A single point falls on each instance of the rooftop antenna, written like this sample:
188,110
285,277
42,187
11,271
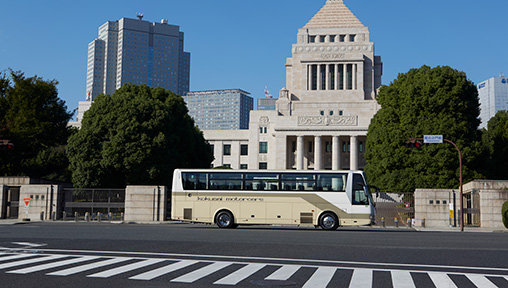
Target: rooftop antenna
267,93
140,16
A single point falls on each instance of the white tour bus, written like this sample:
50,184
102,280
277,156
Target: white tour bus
229,198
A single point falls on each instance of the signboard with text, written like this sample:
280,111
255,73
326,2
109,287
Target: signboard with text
433,139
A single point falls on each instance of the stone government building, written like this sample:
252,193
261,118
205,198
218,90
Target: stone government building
322,117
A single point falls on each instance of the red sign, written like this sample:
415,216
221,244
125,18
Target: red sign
27,201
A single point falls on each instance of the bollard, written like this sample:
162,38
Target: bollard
53,217
64,216
121,216
87,217
423,222
383,222
76,216
396,222
99,216
42,215
409,222
110,215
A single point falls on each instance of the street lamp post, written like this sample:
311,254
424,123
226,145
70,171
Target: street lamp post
460,175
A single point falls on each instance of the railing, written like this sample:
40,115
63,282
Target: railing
106,202
394,205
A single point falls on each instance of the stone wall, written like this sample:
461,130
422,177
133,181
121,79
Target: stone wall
145,203
44,198
433,205
493,193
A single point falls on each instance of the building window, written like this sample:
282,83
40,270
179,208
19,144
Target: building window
263,165
263,147
293,146
322,39
227,149
261,130
345,147
312,39
332,38
265,129
342,38
227,165
211,148
341,112
352,38
244,149
361,146
331,113
328,146
244,166
322,113
310,147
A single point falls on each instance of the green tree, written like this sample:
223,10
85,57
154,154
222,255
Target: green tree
137,136
424,101
495,140
35,120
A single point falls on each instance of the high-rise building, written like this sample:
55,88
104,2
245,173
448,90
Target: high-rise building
138,52
321,119
493,94
220,109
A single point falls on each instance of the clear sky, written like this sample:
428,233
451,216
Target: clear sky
244,43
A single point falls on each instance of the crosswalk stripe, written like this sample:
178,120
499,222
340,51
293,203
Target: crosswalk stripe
126,268
402,279
30,261
239,275
284,272
441,280
320,278
87,267
200,273
480,281
52,265
17,256
361,278
163,270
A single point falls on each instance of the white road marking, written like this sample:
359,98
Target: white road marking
402,279
321,277
284,272
361,278
126,268
241,274
441,280
52,265
87,267
164,270
203,272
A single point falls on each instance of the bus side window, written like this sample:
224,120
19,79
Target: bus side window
359,197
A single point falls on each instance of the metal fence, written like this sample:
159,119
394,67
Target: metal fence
108,202
394,205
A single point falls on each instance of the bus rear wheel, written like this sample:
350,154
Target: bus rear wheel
224,219
329,221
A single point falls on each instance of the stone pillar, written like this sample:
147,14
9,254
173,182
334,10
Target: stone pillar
318,76
335,153
354,153
336,75
354,77
145,203
309,77
327,77
299,152
344,75
317,153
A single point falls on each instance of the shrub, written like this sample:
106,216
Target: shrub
505,214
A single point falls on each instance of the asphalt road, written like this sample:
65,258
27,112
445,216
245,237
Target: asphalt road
246,256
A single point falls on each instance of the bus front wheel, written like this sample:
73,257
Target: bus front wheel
224,219
329,221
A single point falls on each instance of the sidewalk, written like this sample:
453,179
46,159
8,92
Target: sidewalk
378,227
